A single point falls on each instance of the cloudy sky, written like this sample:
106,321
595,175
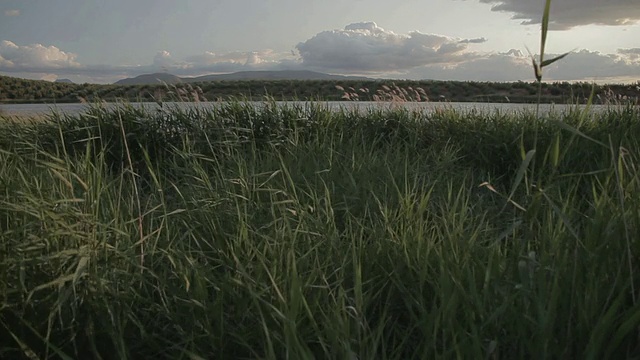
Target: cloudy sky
101,41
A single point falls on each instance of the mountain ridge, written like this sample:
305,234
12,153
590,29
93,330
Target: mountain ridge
150,79
156,78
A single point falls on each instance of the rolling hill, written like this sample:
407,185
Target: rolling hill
241,75
150,79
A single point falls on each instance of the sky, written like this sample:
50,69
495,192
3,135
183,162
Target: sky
102,41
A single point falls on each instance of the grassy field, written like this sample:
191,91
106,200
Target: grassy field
293,232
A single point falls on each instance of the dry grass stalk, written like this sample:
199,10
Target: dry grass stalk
392,94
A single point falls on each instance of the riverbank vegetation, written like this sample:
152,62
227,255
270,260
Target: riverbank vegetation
14,90
291,231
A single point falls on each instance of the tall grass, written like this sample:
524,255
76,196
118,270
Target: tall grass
298,232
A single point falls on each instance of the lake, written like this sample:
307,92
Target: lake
74,109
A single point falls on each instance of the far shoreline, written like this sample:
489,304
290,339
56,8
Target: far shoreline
22,91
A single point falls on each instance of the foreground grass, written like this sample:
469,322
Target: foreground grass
295,232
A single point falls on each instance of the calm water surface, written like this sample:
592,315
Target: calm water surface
74,109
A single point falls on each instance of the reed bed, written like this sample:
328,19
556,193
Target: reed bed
291,231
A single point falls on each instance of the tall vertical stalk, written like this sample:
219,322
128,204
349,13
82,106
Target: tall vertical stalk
537,68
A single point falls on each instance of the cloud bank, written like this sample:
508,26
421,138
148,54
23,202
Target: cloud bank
511,65
34,57
585,64
566,14
211,62
366,47
358,49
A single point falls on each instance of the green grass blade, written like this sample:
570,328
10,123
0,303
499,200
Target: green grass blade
521,172
577,132
544,29
563,217
551,61
555,151
628,328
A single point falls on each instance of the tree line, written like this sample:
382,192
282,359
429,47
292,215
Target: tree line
16,90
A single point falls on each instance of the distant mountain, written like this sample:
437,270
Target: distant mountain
150,79
67,81
273,75
241,75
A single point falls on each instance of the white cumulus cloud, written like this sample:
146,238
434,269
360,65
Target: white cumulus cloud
245,58
12,13
34,57
366,47
566,14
